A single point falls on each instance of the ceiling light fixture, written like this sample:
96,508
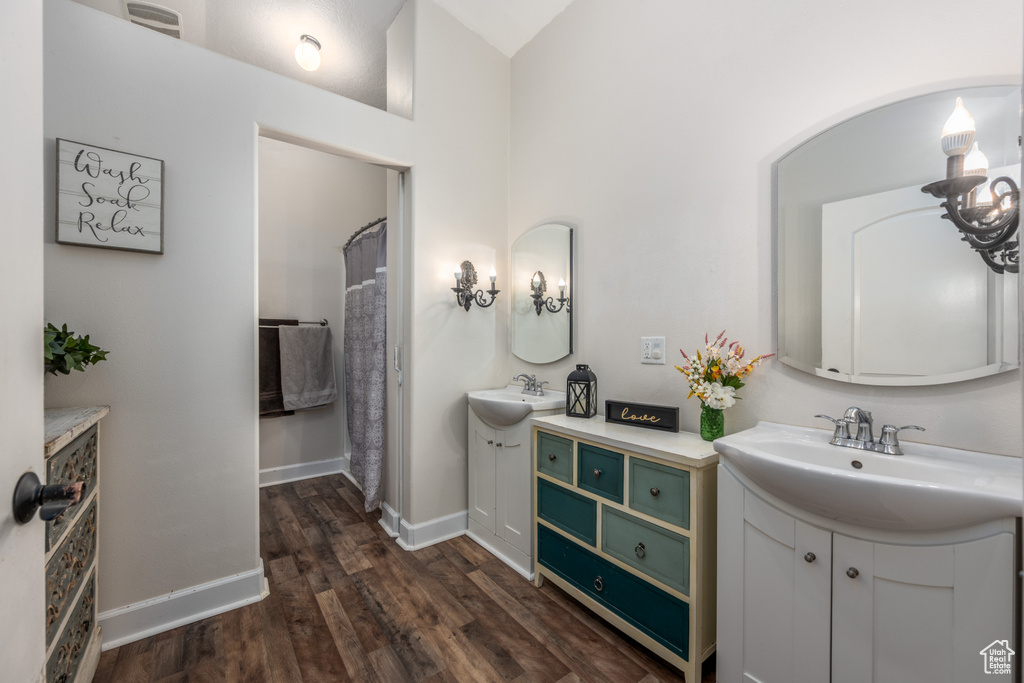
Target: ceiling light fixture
307,52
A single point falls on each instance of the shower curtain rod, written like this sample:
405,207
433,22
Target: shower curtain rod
322,323
364,229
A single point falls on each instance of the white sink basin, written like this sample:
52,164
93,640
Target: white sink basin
505,407
927,488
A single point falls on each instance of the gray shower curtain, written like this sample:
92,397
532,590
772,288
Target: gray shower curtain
365,327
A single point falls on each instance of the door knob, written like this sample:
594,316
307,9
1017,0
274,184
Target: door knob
852,572
810,557
30,495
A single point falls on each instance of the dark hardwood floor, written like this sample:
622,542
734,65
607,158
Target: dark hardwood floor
346,603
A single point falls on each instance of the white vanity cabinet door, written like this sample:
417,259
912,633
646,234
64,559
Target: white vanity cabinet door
774,616
922,614
499,481
513,480
482,473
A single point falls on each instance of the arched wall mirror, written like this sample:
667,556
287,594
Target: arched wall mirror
542,282
874,285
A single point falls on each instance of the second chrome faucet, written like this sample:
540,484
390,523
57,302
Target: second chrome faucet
856,430
530,384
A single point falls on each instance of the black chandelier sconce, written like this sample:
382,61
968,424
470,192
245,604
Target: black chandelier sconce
987,217
539,286
465,278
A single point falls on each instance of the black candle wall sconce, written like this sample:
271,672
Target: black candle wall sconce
539,286
465,279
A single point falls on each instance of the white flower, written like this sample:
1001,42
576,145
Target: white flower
720,397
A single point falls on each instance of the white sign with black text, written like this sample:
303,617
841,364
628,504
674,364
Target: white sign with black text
109,199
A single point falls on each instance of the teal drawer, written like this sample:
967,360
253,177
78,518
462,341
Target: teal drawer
657,552
554,456
569,511
660,491
600,472
650,609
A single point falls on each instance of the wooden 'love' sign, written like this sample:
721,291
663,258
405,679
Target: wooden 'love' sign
109,199
664,418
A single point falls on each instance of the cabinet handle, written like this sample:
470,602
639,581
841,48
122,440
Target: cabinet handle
597,474
655,491
810,557
598,584
489,442
852,572
498,444
640,550
551,457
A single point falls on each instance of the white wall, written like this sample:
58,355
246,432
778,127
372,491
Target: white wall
179,462
459,196
179,455
654,126
22,587
310,203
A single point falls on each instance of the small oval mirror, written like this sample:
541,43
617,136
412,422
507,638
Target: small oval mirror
542,270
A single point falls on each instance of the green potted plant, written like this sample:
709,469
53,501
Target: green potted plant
63,351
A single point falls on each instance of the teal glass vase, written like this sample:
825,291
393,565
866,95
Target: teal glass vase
712,422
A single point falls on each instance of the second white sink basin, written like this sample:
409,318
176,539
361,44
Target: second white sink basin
927,488
505,407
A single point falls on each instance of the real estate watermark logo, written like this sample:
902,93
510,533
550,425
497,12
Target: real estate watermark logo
998,657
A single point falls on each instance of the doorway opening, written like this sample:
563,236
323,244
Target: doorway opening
311,203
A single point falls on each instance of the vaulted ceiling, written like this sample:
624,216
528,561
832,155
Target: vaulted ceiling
352,33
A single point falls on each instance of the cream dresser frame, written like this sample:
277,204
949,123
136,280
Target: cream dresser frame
675,454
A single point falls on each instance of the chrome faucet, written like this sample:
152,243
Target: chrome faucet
855,430
530,384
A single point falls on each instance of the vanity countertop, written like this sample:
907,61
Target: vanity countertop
684,448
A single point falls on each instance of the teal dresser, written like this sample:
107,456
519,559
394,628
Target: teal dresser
625,521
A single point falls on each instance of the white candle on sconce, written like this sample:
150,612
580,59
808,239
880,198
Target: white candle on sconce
561,286
493,275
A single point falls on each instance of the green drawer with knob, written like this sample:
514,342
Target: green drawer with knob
567,510
554,456
648,608
660,491
657,552
600,471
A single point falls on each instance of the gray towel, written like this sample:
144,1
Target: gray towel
307,367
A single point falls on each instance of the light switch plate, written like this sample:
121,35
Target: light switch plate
652,350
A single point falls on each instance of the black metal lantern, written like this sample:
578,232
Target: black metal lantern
581,393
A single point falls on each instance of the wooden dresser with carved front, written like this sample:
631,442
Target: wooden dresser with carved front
71,447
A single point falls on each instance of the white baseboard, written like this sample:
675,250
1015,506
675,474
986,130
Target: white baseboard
348,475
504,551
389,519
144,619
416,536
303,470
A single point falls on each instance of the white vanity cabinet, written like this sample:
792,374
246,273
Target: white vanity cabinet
804,601
500,503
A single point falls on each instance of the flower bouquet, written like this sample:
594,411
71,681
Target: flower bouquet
714,378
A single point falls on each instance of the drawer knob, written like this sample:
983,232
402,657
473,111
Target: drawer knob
655,491
551,457
489,442
597,474
499,444
598,584
810,557
640,550
852,572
